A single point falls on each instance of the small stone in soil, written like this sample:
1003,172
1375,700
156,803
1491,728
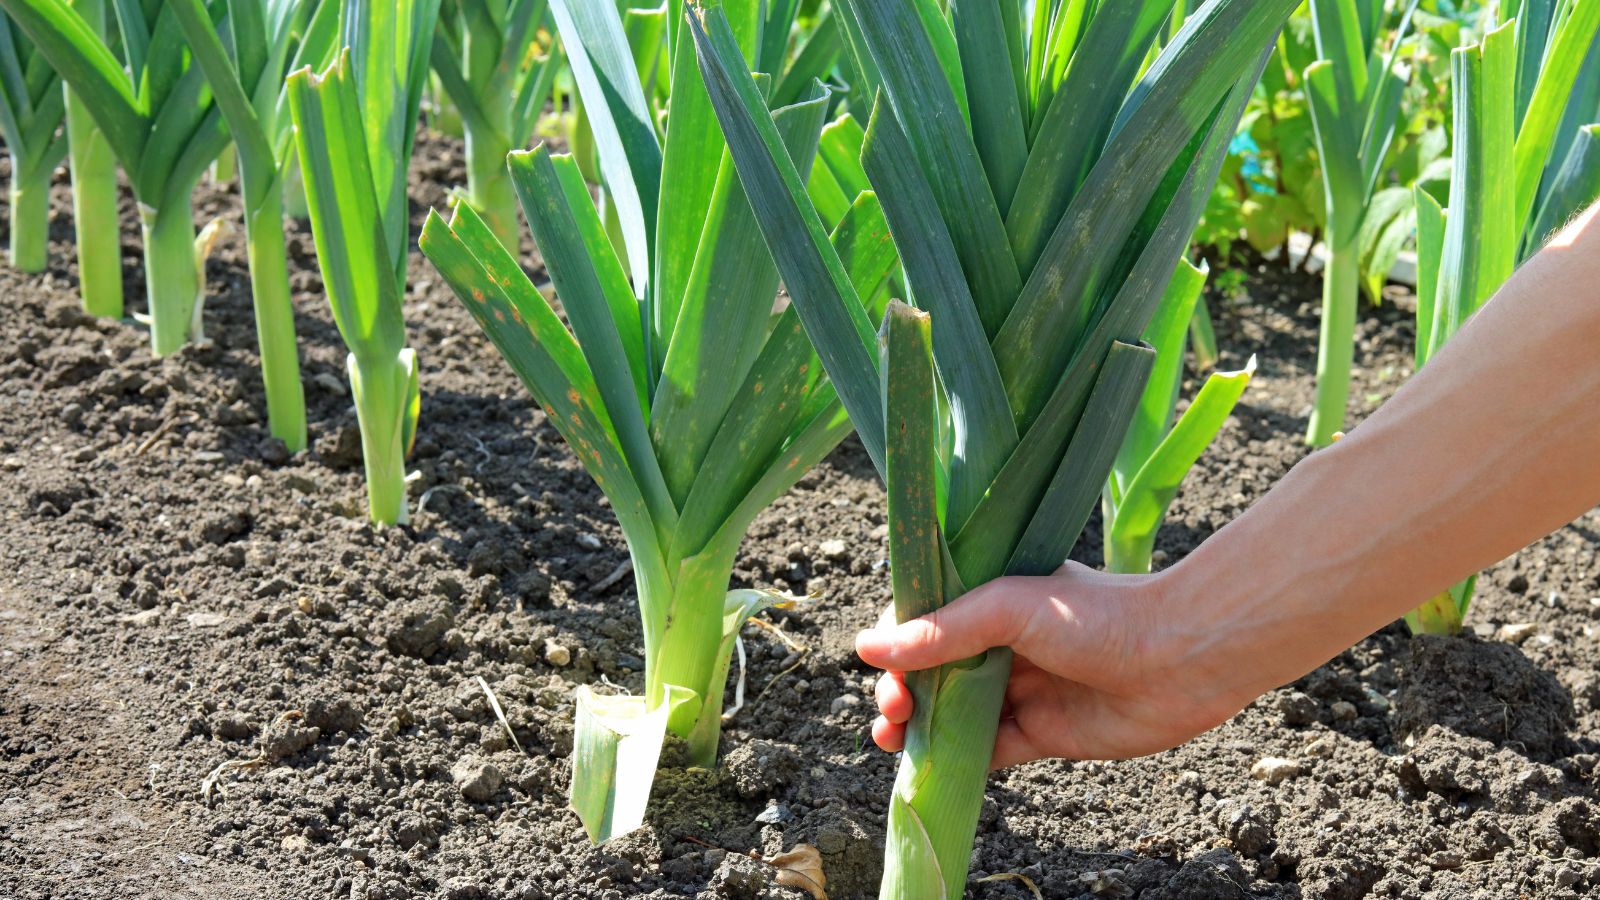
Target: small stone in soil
1515,632
843,702
329,383
557,655
832,549
1274,769
271,588
1343,710
1106,883
272,451
775,814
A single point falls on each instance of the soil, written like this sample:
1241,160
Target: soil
216,680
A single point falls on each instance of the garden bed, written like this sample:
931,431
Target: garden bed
217,680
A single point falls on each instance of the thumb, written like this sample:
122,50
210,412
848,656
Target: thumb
993,615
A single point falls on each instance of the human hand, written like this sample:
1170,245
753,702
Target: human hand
1096,674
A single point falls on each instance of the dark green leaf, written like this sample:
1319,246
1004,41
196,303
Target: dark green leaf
811,269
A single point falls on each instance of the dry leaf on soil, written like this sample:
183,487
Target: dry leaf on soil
801,868
1015,876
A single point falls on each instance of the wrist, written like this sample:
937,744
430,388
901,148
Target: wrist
1203,640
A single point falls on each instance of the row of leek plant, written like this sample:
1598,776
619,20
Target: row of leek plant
165,87
1354,91
155,112
244,54
174,84
355,127
1272,186
1527,157
1040,193
491,65
31,109
33,103
690,398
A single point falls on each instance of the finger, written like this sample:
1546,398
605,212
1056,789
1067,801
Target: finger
994,615
889,737
894,698
1012,747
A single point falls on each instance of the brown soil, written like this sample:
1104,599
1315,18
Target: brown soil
218,681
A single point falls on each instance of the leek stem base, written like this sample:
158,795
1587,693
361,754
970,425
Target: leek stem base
171,274
269,289
1341,285
30,221
382,391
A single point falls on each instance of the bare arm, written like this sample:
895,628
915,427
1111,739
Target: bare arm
1495,443
1492,445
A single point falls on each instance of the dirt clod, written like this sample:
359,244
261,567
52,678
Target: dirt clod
477,778
421,630
1482,689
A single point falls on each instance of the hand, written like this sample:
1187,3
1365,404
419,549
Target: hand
1094,675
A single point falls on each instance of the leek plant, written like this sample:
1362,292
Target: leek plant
1354,92
1040,184
815,40
355,125
153,107
31,107
1512,92
96,224
246,55
494,71
690,399
1157,452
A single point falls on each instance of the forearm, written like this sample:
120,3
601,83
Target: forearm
1494,444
